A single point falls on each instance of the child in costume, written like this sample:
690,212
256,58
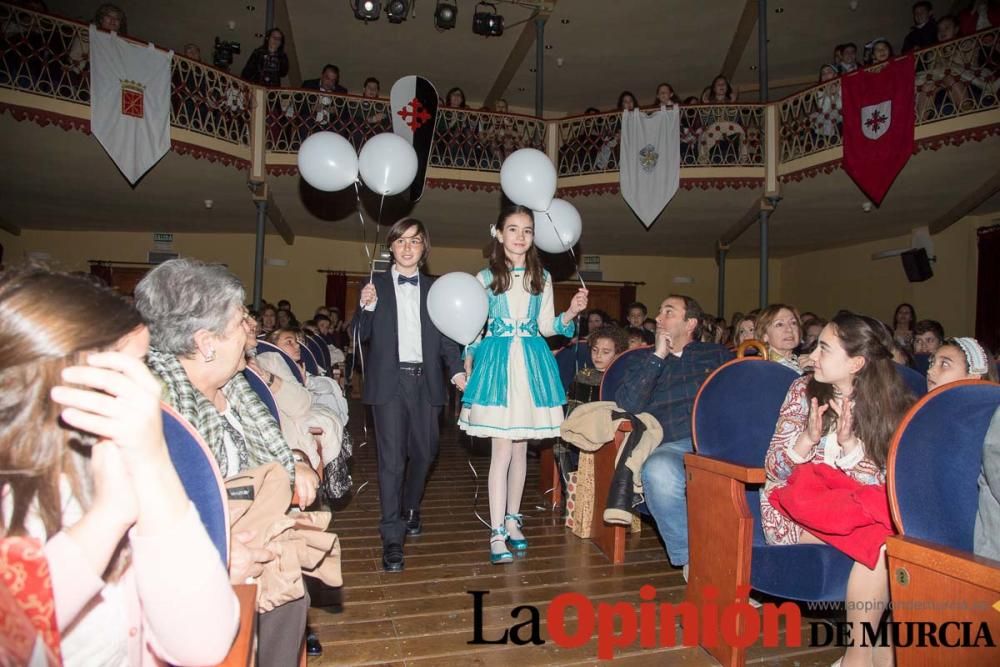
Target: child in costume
514,393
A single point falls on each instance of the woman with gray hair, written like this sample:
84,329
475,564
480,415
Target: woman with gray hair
198,332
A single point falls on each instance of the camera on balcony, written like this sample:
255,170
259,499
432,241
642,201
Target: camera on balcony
222,54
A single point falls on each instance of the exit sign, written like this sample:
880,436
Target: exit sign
163,237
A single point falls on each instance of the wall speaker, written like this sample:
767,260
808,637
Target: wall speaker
917,265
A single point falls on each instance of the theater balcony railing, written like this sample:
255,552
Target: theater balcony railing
956,92
44,77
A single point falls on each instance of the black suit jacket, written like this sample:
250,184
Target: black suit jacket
380,330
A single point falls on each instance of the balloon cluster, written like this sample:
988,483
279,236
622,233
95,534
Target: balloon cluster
387,163
528,178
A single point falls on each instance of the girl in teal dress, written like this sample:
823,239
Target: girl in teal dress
514,392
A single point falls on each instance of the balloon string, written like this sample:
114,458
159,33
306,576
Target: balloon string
364,231
378,226
568,249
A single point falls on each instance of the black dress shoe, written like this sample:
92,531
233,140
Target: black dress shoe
392,557
412,518
313,647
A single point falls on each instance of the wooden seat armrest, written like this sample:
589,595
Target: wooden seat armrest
241,653
726,469
978,570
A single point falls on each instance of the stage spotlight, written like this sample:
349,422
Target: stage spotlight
487,23
396,10
367,10
445,15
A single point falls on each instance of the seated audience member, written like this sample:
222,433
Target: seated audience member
198,333
983,14
810,335
268,320
85,471
268,63
954,74
848,58
928,335
664,382
326,393
745,330
842,416
778,327
986,538
723,332
649,324
192,51
720,92
902,324
110,18
639,337
286,319
636,314
838,56
328,81
690,100
960,359
305,419
596,319
879,51
923,33
321,310
605,343
284,304
902,355
665,96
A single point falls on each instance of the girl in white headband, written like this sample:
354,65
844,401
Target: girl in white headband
960,359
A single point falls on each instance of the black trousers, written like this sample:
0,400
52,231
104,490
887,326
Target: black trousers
406,434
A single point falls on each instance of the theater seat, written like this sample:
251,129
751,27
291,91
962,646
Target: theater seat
320,351
309,361
570,359
913,379
263,346
616,372
734,416
263,392
933,471
202,481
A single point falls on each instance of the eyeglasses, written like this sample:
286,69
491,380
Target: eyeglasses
409,242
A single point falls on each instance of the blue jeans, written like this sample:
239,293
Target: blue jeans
664,484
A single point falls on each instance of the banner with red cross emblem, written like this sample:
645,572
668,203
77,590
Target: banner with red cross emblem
878,111
129,101
414,104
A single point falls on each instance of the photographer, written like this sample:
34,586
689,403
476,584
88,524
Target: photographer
268,62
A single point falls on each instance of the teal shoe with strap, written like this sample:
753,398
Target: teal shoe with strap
499,535
516,544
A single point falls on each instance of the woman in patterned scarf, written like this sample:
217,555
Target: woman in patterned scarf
198,330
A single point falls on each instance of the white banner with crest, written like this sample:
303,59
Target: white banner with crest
650,163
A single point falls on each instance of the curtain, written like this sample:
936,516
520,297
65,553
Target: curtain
626,296
988,288
336,290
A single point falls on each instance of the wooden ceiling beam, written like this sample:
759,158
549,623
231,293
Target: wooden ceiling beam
517,55
744,30
743,224
278,220
967,205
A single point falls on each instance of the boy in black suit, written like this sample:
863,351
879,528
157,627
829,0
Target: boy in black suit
405,368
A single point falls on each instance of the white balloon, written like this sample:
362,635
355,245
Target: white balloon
328,162
559,228
528,178
388,164
458,306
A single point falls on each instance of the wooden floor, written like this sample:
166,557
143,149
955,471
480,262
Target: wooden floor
424,615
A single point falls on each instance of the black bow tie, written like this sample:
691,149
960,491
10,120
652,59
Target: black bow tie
403,280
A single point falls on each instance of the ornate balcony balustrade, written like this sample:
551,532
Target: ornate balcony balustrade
952,79
711,136
47,56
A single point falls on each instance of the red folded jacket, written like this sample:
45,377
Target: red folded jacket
839,510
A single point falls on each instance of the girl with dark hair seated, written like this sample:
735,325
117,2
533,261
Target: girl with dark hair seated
84,469
841,418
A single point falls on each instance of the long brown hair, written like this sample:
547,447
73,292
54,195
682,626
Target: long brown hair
534,277
880,396
48,321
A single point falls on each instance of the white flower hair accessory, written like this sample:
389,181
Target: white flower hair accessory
975,355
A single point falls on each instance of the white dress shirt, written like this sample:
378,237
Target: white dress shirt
408,319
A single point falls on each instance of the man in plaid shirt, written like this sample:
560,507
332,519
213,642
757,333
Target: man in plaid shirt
664,383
